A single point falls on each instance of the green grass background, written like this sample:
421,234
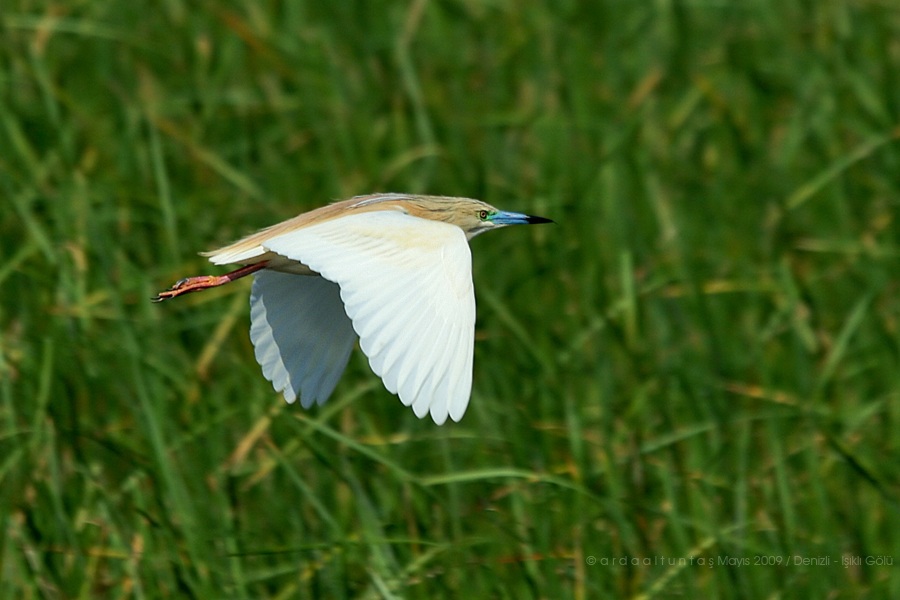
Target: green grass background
687,385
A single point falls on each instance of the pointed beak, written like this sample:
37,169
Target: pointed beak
511,218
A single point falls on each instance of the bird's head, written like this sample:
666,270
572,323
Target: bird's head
472,216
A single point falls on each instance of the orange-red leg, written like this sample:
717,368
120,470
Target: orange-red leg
202,282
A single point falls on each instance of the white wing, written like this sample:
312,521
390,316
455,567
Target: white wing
406,284
301,334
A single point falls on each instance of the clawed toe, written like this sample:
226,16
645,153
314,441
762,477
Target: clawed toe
166,294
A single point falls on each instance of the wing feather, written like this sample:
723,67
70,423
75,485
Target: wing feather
406,285
301,335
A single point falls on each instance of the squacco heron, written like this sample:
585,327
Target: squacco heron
393,269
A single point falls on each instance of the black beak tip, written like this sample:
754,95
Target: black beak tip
537,220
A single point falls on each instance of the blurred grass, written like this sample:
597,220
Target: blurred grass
696,367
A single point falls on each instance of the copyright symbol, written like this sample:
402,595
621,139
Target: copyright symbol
591,560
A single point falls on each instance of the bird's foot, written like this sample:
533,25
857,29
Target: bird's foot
203,282
190,284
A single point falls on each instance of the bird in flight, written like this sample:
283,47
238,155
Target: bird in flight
393,270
